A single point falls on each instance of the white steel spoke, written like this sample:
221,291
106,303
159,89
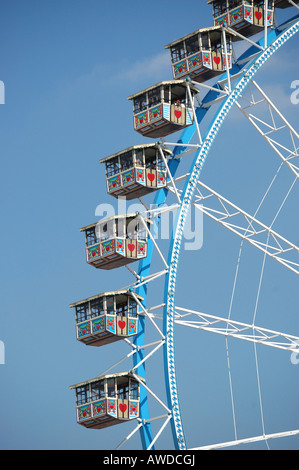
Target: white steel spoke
249,440
154,242
235,33
226,60
293,4
169,173
126,439
232,328
204,85
160,210
151,392
181,178
145,280
132,272
147,314
266,24
215,101
119,362
250,229
159,432
191,99
143,203
160,343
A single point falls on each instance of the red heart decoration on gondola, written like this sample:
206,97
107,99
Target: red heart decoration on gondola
131,247
155,115
122,407
217,60
84,414
177,114
258,15
141,121
122,324
180,69
151,176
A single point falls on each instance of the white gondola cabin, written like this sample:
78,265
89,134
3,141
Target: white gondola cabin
107,400
107,317
163,108
245,16
201,55
116,241
136,171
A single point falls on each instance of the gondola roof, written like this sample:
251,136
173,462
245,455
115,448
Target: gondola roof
169,82
114,217
214,30
110,376
135,147
105,294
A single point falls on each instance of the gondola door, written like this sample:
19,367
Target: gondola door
258,16
123,408
151,178
178,114
131,251
217,61
122,326
123,400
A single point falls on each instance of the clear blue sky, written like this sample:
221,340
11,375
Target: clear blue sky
68,67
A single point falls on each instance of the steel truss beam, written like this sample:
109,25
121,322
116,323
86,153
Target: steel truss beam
285,146
228,327
249,440
249,228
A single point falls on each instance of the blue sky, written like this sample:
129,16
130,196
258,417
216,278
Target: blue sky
68,67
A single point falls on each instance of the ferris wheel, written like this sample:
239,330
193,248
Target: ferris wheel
160,315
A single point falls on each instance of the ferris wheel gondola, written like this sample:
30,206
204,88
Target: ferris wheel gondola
202,55
164,108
